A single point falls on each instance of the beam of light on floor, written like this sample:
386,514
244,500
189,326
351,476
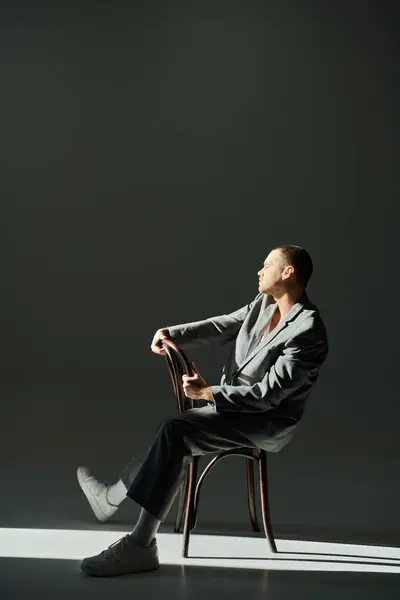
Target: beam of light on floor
206,550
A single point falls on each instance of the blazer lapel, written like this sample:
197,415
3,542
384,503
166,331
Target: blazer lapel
264,340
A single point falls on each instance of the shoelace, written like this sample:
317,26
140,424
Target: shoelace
97,486
117,547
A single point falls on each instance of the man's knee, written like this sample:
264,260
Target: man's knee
172,426
174,437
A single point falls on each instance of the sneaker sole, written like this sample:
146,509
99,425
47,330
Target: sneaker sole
100,514
93,573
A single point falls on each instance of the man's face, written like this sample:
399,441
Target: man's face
272,275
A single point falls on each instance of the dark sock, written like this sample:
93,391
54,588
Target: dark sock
145,529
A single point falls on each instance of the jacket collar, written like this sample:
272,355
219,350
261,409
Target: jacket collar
267,339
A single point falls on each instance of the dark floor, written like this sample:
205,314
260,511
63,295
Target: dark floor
61,579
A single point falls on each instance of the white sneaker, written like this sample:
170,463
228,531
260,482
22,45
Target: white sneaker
96,492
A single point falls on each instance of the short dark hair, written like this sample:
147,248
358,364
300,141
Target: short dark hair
300,259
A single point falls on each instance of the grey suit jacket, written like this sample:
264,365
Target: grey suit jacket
265,380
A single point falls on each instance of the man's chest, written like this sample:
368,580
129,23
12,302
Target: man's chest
272,323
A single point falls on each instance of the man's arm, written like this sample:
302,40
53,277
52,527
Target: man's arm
215,330
295,368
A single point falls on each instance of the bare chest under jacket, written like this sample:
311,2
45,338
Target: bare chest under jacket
275,319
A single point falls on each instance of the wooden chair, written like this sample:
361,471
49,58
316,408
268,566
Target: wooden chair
190,492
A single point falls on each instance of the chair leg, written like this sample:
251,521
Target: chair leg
193,467
250,494
265,501
182,503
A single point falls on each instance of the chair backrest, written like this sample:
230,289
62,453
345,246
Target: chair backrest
178,365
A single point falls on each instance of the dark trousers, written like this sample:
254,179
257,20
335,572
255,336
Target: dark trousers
155,481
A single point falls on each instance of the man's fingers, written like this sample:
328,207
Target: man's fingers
187,378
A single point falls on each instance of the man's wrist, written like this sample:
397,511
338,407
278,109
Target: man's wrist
208,393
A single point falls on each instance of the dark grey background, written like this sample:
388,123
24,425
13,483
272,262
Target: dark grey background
151,155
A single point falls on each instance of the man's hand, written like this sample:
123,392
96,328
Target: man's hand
196,387
156,344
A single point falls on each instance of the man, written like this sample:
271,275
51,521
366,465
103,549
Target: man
280,345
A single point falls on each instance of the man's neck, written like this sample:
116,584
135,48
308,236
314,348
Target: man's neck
286,301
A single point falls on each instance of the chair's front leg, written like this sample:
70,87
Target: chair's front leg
193,467
250,494
182,503
265,501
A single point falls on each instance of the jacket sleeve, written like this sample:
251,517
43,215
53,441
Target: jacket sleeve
215,330
297,367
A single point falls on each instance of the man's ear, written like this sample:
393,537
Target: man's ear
288,271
